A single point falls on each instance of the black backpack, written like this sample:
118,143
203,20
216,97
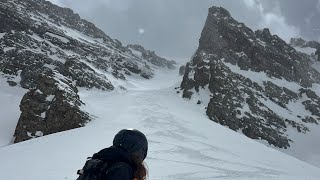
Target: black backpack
94,169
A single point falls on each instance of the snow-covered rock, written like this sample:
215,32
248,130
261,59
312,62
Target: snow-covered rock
48,49
309,49
150,56
259,85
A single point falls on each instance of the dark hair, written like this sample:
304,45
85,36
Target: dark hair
141,171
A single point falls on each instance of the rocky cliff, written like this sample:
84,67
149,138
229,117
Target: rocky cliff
52,52
151,56
252,82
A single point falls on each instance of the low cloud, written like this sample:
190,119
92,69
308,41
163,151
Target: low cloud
172,27
273,19
279,26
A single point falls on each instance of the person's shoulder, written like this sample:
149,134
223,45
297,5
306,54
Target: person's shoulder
122,165
119,171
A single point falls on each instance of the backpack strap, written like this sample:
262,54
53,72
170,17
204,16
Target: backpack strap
93,166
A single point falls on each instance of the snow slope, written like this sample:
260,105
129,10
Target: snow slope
184,144
311,52
10,98
306,50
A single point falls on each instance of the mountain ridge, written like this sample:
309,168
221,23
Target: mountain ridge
52,52
255,79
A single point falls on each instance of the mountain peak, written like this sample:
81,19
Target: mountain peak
264,32
242,71
219,12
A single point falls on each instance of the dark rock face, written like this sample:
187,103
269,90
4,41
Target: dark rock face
182,70
51,51
49,109
152,57
85,76
252,75
299,42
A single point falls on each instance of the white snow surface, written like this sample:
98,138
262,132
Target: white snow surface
183,142
135,52
316,65
306,50
1,35
10,98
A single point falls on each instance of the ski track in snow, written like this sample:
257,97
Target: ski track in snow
183,143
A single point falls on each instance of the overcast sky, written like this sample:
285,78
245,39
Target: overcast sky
172,27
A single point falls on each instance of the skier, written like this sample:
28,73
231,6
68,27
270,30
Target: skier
122,161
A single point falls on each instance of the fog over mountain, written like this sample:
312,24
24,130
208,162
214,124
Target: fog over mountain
163,25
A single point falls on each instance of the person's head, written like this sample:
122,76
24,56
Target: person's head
136,144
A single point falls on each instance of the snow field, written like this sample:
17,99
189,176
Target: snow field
183,143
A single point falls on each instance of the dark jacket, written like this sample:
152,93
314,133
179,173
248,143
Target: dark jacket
120,167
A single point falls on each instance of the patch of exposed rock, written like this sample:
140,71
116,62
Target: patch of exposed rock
151,56
182,70
48,108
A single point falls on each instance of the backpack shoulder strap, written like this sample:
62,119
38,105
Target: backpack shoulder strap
93,166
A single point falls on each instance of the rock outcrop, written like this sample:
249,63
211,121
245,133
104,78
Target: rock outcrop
151,56
255,79
182,70
52,106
